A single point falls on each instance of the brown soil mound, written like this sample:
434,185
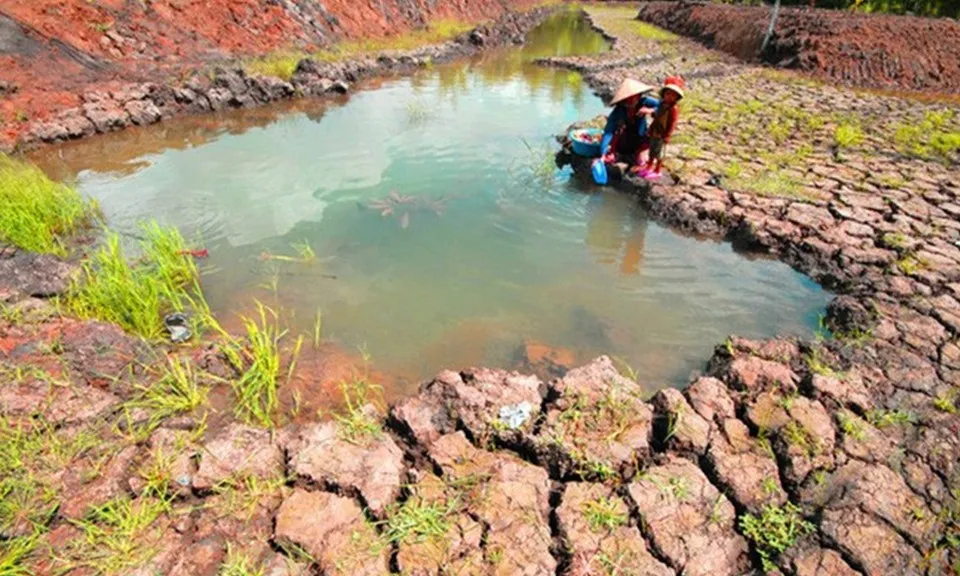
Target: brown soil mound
876,51
52,50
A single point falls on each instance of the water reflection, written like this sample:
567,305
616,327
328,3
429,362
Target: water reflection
124,153
616,231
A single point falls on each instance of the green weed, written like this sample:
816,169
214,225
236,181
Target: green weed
40,215
774,531
602,471
114,535
894,240
886,418
359,424
541,164
13,554
931,138
946,402
604,514
242,496
772,184
847,136
417,521
651,32
317,325
30,454
176,391
817,365
258,361
910,265
798,436
851,426
136,295
238,564
281,65
770,487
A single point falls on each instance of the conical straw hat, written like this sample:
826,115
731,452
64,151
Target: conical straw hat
630,87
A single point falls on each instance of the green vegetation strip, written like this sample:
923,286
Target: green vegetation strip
284,64
38,214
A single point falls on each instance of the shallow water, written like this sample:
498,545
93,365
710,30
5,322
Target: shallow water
494,248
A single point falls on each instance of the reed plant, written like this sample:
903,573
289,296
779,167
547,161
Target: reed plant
38,214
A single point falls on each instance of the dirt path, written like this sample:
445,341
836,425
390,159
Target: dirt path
833,457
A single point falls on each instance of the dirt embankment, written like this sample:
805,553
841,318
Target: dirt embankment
875,51
52,51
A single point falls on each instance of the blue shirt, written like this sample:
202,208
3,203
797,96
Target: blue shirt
619,115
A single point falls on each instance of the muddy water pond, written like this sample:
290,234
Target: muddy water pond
443,234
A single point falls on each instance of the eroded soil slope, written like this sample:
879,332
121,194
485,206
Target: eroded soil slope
52,50
878,51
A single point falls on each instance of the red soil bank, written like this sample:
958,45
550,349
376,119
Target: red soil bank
875,51
51,50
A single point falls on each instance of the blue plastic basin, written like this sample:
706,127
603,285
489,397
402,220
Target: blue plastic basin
581,148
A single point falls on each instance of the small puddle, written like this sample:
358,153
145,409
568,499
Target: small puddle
487,253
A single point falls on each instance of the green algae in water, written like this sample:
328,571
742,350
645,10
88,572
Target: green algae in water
520,253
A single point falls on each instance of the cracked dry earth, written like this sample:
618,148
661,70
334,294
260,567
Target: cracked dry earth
859,431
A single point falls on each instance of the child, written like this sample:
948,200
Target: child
662,125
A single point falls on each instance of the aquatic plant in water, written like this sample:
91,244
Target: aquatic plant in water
401,206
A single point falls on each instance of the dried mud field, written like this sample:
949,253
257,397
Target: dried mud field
836,456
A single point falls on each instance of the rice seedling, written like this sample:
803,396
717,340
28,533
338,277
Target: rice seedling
258,361
38,214
136,295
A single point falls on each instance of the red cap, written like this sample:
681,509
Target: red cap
675,83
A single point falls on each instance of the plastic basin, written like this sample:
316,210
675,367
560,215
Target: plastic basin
581,146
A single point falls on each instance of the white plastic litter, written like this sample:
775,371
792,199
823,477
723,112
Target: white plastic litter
515,415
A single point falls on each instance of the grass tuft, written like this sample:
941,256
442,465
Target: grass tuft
847,136
38,214
114,533
358,424
239,564
283,64
258,361
417,521
886,418
13,554
136,295
851,426
604,514
175,392
774,531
